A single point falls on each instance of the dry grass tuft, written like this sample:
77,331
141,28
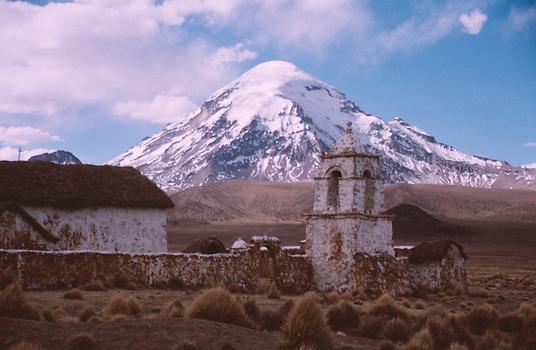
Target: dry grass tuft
421,341
273,292
174,309
82,341
120,305
86,313
74,293
386,307
54,314
481,318
306,326
457,346
419,305
252,310
511,322
218,305
332,298
186,346
371,326
397,330
95,286
343,316
387,345
23,346
13,303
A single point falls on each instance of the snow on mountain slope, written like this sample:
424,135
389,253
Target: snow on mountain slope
271,124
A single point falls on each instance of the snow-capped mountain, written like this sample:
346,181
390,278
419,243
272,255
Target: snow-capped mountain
272,123
58,157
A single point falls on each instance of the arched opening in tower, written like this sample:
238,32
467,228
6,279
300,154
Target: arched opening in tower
369,191
333,189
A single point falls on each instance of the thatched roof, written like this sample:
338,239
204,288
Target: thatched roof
432,250
210,245
45,184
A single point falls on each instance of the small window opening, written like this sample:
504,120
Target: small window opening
333,189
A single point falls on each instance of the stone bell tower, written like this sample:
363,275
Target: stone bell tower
347,214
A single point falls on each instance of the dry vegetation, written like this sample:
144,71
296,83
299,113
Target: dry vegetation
478,320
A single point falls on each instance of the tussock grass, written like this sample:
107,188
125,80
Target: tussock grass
120,305
332,298
306,326
74,293
86,313
174,309
387,345
397,330
81,341
23,346
13,303
422,340
273,292
371,326
343,316
218,305
481,318
54,314
252,310
386,307
95,286
186,346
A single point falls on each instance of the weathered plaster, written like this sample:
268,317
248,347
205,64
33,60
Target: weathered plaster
102,229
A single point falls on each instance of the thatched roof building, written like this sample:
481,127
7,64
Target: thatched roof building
71,207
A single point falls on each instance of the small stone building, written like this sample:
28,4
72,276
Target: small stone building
347,217
437,265
46,206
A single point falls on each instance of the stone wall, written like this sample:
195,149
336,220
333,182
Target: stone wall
103,229
46,270
440,274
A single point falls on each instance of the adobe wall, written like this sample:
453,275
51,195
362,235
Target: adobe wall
103,229
46,270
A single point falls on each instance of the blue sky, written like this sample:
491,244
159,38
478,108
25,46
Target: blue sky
95,77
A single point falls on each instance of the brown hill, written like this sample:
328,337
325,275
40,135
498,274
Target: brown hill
273,202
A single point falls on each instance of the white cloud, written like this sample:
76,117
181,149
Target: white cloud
473,22
520,18
162,109
64,56
529,166
23,135
12,153
530,144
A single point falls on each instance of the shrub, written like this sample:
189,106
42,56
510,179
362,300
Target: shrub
82,341
343,316
74,293
252,310
23,346
174,309
306,326
481,318
95,286
421,341
396,330
13,303
53,314
86,313
273,292
122,306
218,305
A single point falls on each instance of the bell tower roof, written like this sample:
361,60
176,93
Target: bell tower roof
347,143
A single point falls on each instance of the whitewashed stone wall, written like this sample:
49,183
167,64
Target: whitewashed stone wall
103,229
332,242
445,273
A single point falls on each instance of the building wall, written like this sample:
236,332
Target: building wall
46,269
103,229
332,242
445,273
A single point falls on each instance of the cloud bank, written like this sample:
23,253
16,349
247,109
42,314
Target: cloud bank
473,22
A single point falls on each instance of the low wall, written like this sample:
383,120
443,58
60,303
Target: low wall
46,270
